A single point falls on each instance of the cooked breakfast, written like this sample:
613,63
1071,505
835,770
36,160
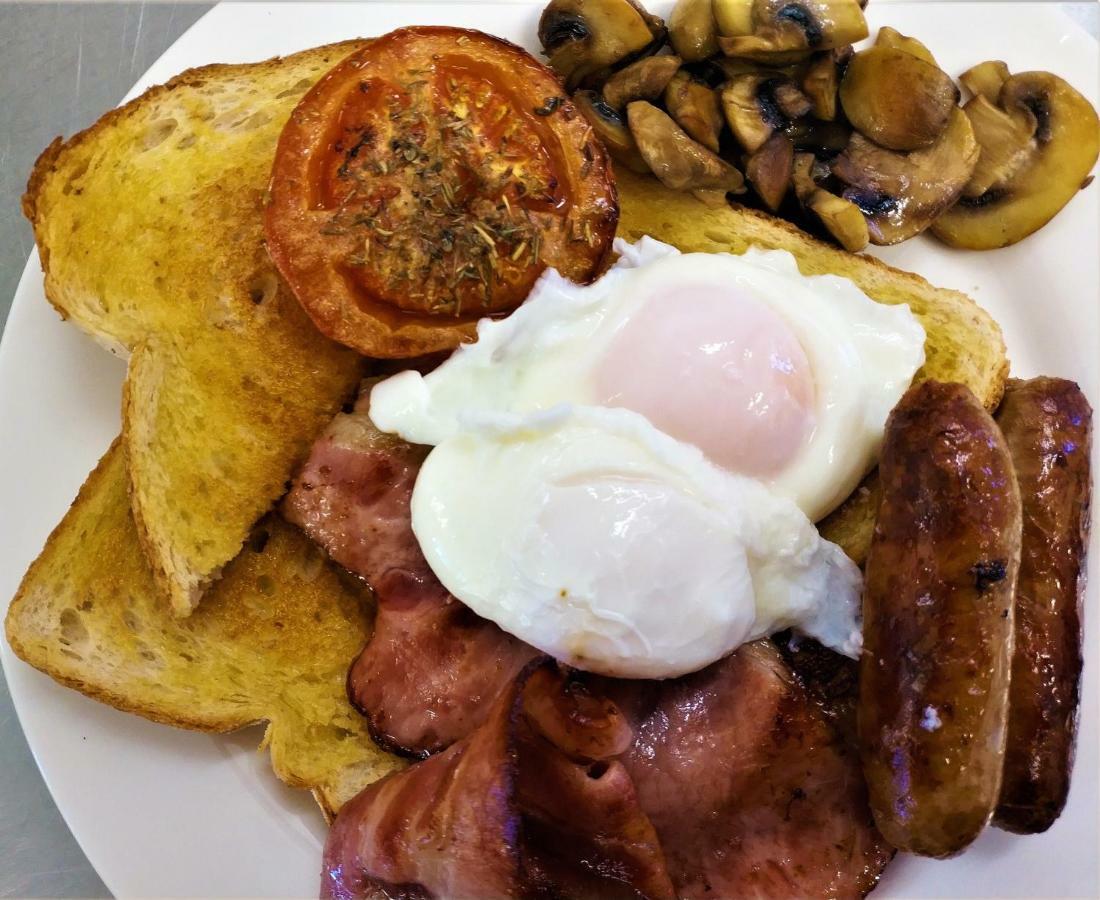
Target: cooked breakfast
578,529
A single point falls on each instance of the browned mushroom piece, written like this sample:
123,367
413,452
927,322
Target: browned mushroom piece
823,139
751,120
788,47
769,170
656,26
901,194
802,176
897,99
611,128
644,79
791,102
1006,139
694,105
733,17
757,105
893,39
820,82
692,30
841,218
728,68
1038,146
986,79
584,39
786,30
679,162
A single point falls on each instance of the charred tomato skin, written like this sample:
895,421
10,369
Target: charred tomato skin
427,181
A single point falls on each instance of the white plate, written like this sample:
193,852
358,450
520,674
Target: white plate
168,813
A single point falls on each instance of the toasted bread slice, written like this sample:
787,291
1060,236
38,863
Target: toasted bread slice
270,643
149,227
963,341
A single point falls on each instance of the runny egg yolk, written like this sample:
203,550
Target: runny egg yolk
677,354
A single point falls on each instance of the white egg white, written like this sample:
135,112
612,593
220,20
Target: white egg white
599,539
590,533
862,354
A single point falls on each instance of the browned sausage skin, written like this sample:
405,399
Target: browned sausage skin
937,621
1047,424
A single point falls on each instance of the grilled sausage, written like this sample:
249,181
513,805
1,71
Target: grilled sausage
937,622
1047,424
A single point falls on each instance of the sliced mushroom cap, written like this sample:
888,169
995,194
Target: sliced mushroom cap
775,48
820,82
893,39
692,30
730,68
774,30
841,218
769,170
902,193
802,176
585,37
611,128
1036,182
897,99
1007,142
734,17
678,162
645,79
986,79
758,105
751,121
694,105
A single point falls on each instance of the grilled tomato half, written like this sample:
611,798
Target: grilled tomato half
427,181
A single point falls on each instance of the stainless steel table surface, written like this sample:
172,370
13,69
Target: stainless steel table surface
61,66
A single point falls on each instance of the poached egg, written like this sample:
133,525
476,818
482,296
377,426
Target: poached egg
604,542
779,376
625,474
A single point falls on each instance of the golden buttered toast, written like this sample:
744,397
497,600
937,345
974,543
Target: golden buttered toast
270,642
149,227
963,342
